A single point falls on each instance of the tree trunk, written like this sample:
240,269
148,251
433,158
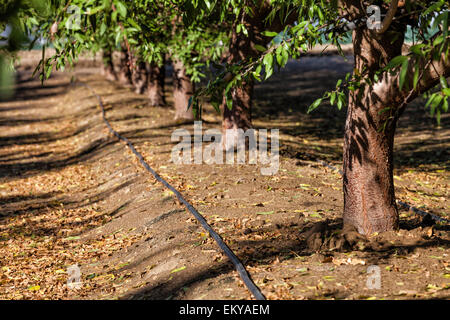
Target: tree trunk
155,85
124,69
139,77
239,116
369,199
108,66
242,47
183,89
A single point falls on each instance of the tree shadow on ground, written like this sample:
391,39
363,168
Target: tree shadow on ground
26,169
266,251
30,91
40,204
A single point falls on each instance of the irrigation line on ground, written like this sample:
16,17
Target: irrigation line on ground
403,204
251,286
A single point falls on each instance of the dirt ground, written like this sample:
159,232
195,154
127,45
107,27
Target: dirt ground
72,194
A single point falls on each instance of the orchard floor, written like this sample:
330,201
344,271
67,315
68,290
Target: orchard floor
70,193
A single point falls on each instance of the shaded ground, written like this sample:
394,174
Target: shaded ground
70,193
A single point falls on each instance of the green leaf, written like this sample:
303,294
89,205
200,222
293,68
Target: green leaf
433,7
397,61
403,73
121,9
269,33
268,60
332,98
278,55
269,72
341,100
260,48
417,49
443,82
438,40
102,29
445,105
268,63
229,102
430,100
438,117
315,104
416,76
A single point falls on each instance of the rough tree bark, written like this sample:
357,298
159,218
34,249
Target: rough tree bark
155,84
107,69
124,73
369,199
183,89
239,116
139,77
372,116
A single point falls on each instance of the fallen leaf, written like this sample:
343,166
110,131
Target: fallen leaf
178,269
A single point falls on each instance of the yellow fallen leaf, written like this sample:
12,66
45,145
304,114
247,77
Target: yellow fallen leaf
178,269
34,288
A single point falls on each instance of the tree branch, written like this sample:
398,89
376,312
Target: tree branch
431,71
389,17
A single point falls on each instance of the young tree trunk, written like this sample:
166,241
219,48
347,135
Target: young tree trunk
183,89
242,47
108,66
140,77
155,85
239,116
124,69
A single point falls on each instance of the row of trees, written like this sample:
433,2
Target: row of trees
256,37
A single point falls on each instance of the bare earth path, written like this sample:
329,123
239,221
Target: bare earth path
70,193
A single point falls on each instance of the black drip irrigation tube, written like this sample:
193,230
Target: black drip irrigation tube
403,204
251,286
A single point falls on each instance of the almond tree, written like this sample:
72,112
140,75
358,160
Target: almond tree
379,99
379,90
251,22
